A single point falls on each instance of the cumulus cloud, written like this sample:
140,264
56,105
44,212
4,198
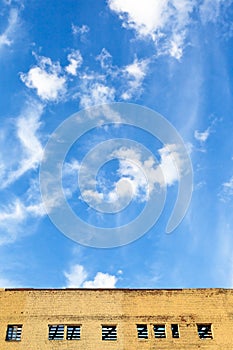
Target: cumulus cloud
95,93
163,21
77,278
47,79
75,60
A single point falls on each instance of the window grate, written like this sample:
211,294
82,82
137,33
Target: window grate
159,331
109,333
56,332
73,333
204,331
142,331
14,332
175,331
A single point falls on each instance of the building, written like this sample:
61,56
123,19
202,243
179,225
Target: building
41,319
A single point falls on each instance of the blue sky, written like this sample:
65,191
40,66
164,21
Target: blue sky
171,56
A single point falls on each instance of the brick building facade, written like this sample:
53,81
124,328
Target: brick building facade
33,319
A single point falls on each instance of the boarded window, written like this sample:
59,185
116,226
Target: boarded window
204,331
56,332
175,331
109,333
73,333
159,331
142,331
14,332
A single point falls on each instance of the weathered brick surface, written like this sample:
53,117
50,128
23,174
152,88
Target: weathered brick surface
36,309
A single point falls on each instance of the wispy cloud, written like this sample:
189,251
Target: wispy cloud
30,150
226,192
139,175
77,277
80,31
134,75
8,35
14,217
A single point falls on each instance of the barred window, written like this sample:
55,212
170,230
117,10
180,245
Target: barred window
109,332
142,331
175,331
159,331
14,332
204,331
73,333
56,332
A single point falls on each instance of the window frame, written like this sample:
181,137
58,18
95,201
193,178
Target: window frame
78,326
206,335
16,332
57,326
140,334
175,334
164,334
114,329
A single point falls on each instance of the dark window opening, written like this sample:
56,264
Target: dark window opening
204,331
175,331
142,331
159,331
56,332
73,332
109,333
14,332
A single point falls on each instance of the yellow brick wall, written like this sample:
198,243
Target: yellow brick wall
36,309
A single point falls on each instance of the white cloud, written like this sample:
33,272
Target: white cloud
29,152
139,175
6,283
227,190
75,60
7,37
95,93
210,10
202,136
47,79
77,278
101,280
105,58
15,215
163,21
133,75
80,30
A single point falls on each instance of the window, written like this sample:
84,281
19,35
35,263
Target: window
73,333
14,332
159,331
175,331
142,331
56,332
204,331
109,333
